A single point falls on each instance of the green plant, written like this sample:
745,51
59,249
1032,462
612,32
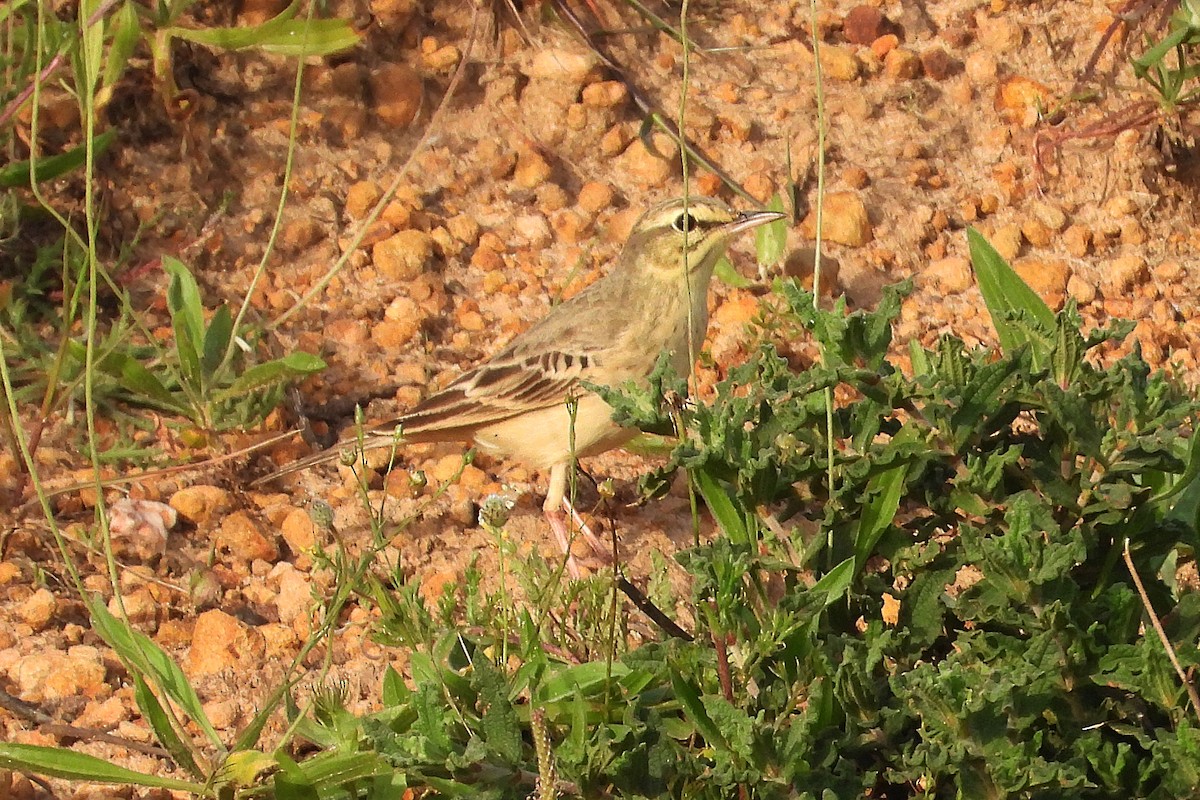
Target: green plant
1175,84
953,617
207,377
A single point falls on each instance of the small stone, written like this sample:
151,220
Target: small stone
1048,278
1078,240
938,64
199,504
856,177
951,274
901,64
1000,35
839,63
243,538
301,234
464,228
532,169
845,220
1132,233
399,327
573,67
881,47
1083,291
1050,216
533,228
1021,100
361,197
863,25
1036,232
398,94
1121,206
445,469
216,641
404,255
392,15
295,595
1007,241
299,531
256,12
981,68
614,140
37,610
595,197
605,94
650,165
1124,273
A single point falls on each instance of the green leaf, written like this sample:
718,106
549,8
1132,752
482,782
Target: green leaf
293,365
884,490
283,35
723,507
216,339
187,319
144,655
727,274
688,695
164,731
1005,293
70,765
50,167
770,240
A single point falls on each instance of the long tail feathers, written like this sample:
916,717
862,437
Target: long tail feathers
357,446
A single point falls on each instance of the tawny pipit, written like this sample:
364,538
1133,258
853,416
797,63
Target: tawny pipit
516,403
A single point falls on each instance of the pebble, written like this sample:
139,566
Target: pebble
844,220
37,610
981,68
938,64
256,12
1051,216
294,598
1000,34
299,531
300,234
1047,277
884,45
1021,100
1082,290
532,169
574,67
1036,232
863,25
200,504
217,641
595,197
398,94
902,64
243,538
400,325
951,274
1007,241
605,94
839,63
361,197
392,15
404,255
1122,274
615,139
650,166
1078,240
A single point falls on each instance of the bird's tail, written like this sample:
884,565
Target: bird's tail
345,449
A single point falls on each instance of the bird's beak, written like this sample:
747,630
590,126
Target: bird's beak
751,219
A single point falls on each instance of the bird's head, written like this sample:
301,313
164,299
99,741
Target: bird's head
697,230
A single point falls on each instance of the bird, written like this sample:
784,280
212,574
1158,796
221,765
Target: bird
530,402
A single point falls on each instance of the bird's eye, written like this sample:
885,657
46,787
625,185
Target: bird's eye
685,223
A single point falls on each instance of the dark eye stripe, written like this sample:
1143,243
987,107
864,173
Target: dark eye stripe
685,222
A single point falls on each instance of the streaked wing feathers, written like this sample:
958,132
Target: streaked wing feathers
498,389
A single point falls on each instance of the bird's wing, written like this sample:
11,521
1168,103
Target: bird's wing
505,386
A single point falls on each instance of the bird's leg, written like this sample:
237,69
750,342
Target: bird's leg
558,510
556,498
